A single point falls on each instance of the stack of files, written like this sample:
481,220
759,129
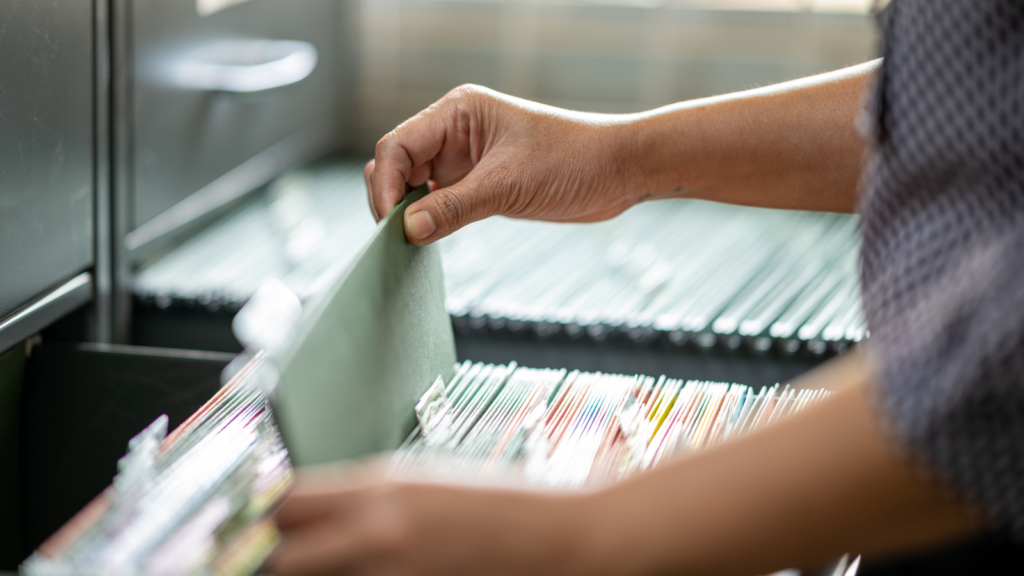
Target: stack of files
682,272
197,501
192,502
679,272
575,429
305,227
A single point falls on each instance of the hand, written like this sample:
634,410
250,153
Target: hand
792,145
357,521
487,154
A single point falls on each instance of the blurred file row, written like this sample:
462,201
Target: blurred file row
675,273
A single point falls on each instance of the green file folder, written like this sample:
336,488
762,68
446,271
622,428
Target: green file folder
366,350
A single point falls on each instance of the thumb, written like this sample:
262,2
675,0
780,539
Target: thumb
444,211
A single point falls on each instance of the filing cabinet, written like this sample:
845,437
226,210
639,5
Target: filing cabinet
211,100
46,147
210,91
47,196
112,114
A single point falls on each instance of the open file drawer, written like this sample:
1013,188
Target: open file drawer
66,414
349,373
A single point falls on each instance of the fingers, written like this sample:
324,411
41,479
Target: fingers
442,143
419,175
403,157
298,510
319,520
445,210
368,176
319,492
318,549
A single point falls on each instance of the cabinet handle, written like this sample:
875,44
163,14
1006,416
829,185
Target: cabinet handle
245,65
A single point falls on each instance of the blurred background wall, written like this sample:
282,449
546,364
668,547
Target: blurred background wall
610,56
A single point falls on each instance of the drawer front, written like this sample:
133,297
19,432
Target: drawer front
46,146
188,129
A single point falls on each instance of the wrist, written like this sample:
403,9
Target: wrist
600,543
561,533
620,143
654,155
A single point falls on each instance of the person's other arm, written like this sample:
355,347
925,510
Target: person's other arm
791,145
798,493
818,484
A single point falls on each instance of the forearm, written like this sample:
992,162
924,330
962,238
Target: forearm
792,145
798,493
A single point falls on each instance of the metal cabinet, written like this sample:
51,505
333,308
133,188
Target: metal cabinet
47,200
46,147
219,103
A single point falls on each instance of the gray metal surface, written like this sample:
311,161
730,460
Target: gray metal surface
178,152
120,166
102,329
185,138
46,146
44,310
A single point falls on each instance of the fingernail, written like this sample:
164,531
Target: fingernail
420,224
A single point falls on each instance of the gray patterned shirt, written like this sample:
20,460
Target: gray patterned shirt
943,252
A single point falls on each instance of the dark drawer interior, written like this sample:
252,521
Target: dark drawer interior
80,404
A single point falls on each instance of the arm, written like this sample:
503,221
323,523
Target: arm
792,145
799,492
823,482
